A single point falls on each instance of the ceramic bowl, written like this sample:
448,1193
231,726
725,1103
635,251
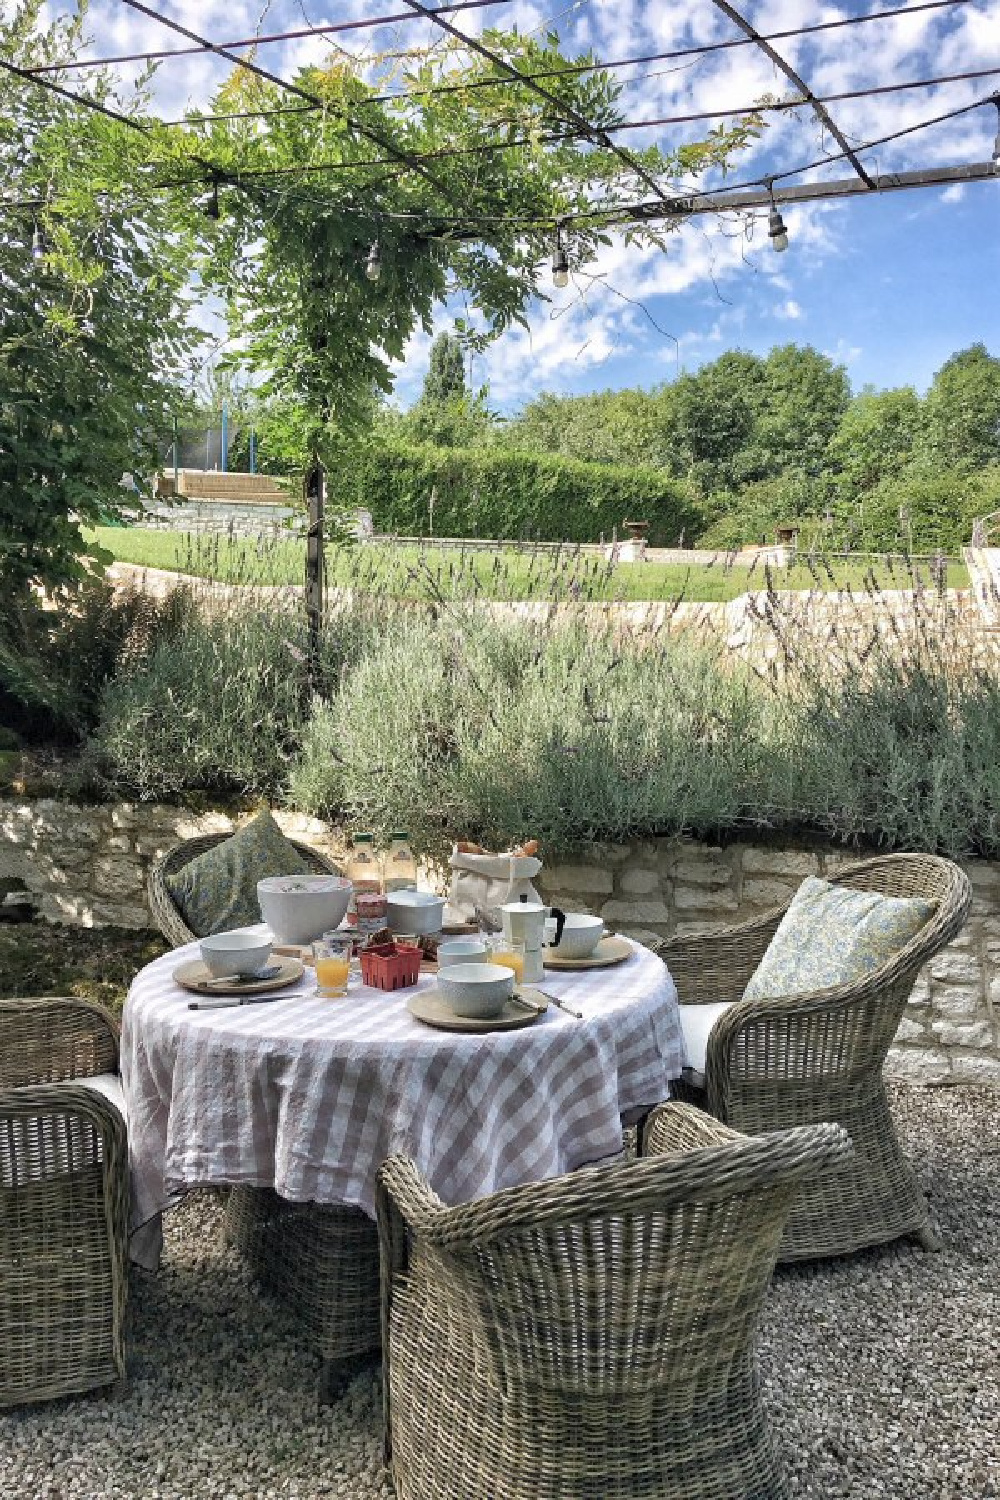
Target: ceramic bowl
300,908
476,990
235,953
580,935
462,951
410,910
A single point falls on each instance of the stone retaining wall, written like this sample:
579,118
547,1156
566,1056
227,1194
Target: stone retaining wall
88,865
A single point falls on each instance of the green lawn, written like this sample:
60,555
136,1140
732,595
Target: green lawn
505,574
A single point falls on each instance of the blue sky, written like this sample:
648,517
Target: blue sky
890,286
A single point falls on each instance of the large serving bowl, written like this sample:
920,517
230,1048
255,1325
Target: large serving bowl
476,990
300,908
410,910
580,936
236,952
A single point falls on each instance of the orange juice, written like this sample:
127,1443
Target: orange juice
509,960
331,975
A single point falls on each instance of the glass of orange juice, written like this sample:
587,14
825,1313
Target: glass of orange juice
510,955
332,957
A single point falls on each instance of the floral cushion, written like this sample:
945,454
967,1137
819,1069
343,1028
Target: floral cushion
831,935
217,890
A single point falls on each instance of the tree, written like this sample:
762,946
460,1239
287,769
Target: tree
92,334
875,440
445,378
962,411
411,189
713,414
803,399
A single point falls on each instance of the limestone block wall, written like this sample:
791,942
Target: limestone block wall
88,865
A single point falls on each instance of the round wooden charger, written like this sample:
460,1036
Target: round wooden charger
195,975
609,951
433,1009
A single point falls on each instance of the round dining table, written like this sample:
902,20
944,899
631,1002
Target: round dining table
308,1096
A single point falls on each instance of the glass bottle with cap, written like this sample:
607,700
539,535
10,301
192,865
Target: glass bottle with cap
400,869
362,870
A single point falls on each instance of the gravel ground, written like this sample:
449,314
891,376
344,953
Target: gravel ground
880,1370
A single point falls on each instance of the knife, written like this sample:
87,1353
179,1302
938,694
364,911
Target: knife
224,1001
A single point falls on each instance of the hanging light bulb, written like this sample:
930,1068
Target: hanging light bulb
996,143
560,261
776,225
39,245
373,265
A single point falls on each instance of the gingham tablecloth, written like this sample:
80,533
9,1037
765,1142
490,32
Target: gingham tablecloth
309,1096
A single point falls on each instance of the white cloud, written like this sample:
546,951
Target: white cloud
788,309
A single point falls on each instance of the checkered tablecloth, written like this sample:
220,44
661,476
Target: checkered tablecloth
309,1096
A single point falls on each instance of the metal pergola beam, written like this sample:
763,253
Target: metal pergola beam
808,97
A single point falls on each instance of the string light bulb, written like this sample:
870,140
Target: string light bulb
560,261
373,265
776,227
996,143
39,245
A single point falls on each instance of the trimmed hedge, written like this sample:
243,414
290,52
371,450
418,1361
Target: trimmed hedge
506,494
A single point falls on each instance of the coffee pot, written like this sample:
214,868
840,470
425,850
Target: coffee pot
524,925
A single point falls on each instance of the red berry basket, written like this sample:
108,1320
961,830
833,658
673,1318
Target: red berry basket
387,966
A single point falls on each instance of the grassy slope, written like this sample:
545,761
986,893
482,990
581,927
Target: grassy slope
505,574
92,963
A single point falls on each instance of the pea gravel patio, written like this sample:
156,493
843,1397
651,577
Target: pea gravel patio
881,1371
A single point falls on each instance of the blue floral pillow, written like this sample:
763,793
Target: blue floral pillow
831,935
217,890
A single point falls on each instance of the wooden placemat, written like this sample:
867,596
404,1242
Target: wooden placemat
609,951
195,975
431,1007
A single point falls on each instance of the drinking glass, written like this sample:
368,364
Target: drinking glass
510,955
332,957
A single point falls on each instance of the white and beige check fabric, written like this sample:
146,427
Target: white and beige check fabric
309,1096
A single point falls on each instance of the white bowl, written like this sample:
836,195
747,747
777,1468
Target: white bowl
235,952
410,910
462,951
580,935
300,908
477,990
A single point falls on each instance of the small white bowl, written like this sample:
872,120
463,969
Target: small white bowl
476,990
237,952
462,951
580,935
300,908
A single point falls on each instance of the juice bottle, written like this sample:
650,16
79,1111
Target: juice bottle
400,867
362,871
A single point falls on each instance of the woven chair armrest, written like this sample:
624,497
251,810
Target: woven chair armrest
33,1100
717,965
50,1038
676,1127
654,1182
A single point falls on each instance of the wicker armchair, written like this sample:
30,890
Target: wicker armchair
800,1059
63,1201
162,905
592,1336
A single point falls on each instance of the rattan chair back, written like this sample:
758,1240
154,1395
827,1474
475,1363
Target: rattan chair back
592,1336
63,1202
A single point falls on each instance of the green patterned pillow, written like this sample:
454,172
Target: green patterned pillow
217,890
831,935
